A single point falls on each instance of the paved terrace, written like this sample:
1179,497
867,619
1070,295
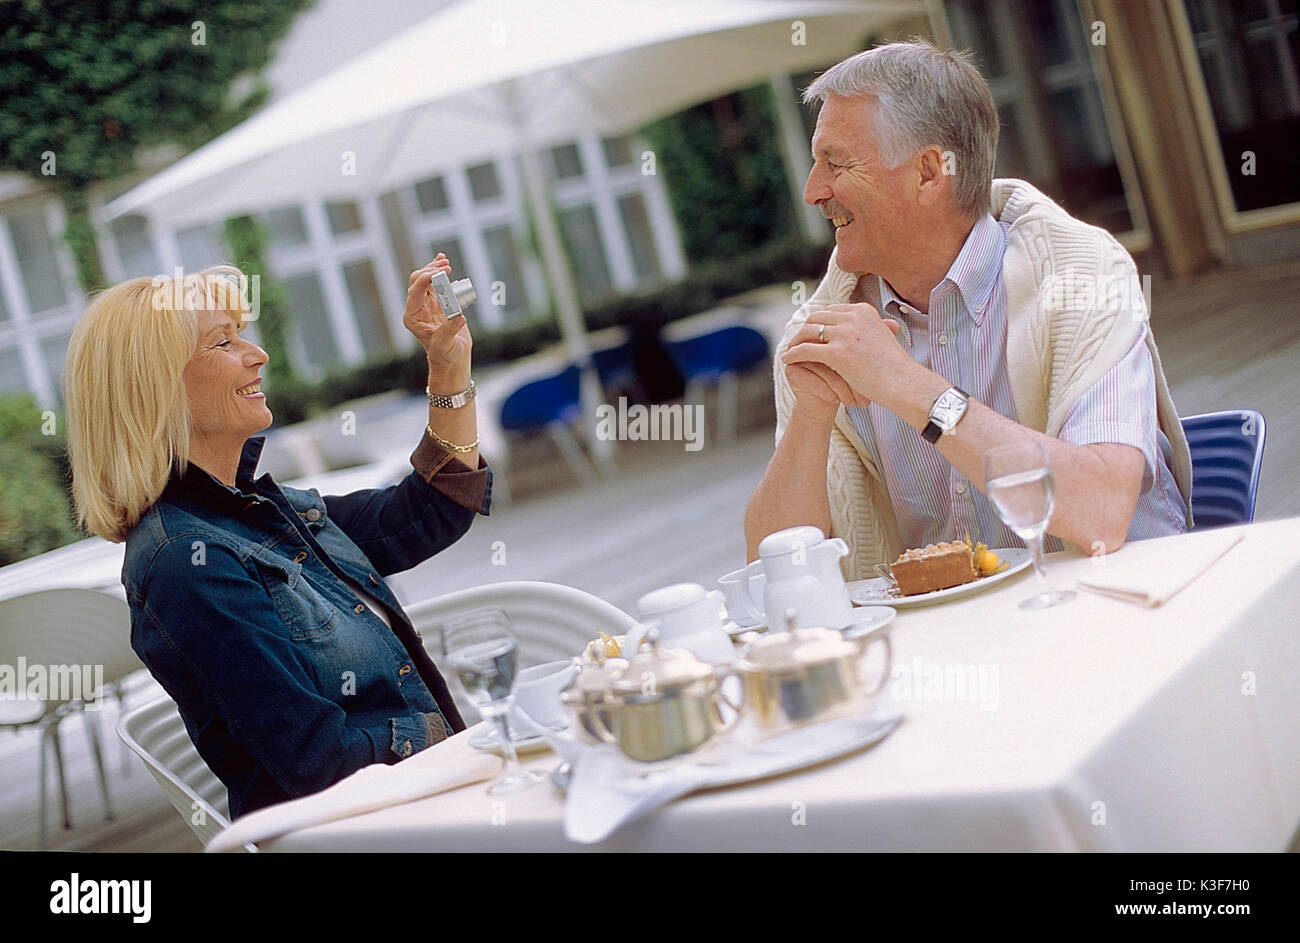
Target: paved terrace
1227,340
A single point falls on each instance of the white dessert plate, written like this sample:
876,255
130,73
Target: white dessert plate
876,592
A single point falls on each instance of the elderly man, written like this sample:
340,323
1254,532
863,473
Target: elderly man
958,313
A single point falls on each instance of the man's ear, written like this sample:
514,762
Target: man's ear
935,170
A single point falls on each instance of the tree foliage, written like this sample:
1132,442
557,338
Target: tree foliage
84,84
722,166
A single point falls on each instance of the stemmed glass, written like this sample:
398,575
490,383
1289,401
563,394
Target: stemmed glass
483,651
1018,480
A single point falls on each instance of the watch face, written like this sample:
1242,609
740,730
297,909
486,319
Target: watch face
948,409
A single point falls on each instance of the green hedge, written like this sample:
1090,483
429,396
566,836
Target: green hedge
35,506
703,288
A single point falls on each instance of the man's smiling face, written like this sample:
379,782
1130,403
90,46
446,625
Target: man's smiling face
851,185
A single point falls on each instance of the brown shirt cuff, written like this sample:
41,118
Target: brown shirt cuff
470,488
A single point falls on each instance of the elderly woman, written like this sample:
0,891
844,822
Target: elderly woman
262,610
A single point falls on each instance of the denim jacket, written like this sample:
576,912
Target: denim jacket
286,680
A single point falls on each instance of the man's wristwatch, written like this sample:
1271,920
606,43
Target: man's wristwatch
945,413
455,401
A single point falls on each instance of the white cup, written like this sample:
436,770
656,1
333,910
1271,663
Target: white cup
537,694
743,590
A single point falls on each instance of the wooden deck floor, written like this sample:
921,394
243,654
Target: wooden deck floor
1229,340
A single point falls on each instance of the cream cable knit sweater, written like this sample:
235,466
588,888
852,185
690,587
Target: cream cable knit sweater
1074,308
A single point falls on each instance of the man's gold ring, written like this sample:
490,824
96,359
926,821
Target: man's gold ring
821,333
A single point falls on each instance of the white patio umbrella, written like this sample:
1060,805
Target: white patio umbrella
485,77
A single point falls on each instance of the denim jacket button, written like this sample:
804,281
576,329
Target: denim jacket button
313,515
300,556
374,580
406,748
404,670
359,608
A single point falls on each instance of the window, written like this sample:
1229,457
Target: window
13,378
311,319
134,246
618,151
484,183
367,307
199,247
640,237
343,217
37,265
587,252
431,195
287,227
1034,54
1249,55
450,247
505,268
567,161
54,350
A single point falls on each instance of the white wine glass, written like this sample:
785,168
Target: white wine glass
1018,480
482,649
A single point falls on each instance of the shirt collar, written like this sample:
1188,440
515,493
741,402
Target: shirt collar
197,483
974,272
976,269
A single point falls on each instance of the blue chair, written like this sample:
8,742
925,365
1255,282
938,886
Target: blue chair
1227,452
552,403
717,358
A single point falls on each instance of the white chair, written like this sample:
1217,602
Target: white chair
551,621
156,733
80,641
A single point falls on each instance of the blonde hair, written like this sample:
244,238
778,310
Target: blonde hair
128,413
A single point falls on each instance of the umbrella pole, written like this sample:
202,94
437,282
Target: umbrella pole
567,308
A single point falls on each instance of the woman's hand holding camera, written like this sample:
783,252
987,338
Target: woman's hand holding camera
446,341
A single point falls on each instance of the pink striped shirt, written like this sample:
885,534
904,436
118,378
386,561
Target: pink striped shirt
964,339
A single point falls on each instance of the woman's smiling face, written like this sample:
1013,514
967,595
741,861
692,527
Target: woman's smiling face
223,383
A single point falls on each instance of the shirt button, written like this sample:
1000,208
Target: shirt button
313,515
359,608
961,488
300,556
404,670
943,339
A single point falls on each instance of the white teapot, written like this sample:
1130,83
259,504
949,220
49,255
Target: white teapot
802,568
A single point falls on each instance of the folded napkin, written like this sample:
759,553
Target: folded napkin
442,767
608,790
1149,572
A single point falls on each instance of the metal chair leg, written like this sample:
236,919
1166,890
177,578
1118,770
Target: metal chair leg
44,748
568,445
92,731
63,783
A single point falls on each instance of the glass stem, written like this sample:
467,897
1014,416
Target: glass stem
1036,553
507,745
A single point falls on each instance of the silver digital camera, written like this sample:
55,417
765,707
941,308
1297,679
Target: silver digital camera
453,297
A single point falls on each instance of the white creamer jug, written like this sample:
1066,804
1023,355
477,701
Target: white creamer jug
802,570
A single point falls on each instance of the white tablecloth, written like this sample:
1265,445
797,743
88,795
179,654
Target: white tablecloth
1101,726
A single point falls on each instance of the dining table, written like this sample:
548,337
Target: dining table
1095,725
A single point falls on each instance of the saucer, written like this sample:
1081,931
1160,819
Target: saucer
866,620
483,736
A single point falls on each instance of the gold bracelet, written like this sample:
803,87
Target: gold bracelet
451,445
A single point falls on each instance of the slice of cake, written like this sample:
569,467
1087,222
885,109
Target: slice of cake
934,566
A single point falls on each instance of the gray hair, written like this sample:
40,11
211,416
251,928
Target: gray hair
927,96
